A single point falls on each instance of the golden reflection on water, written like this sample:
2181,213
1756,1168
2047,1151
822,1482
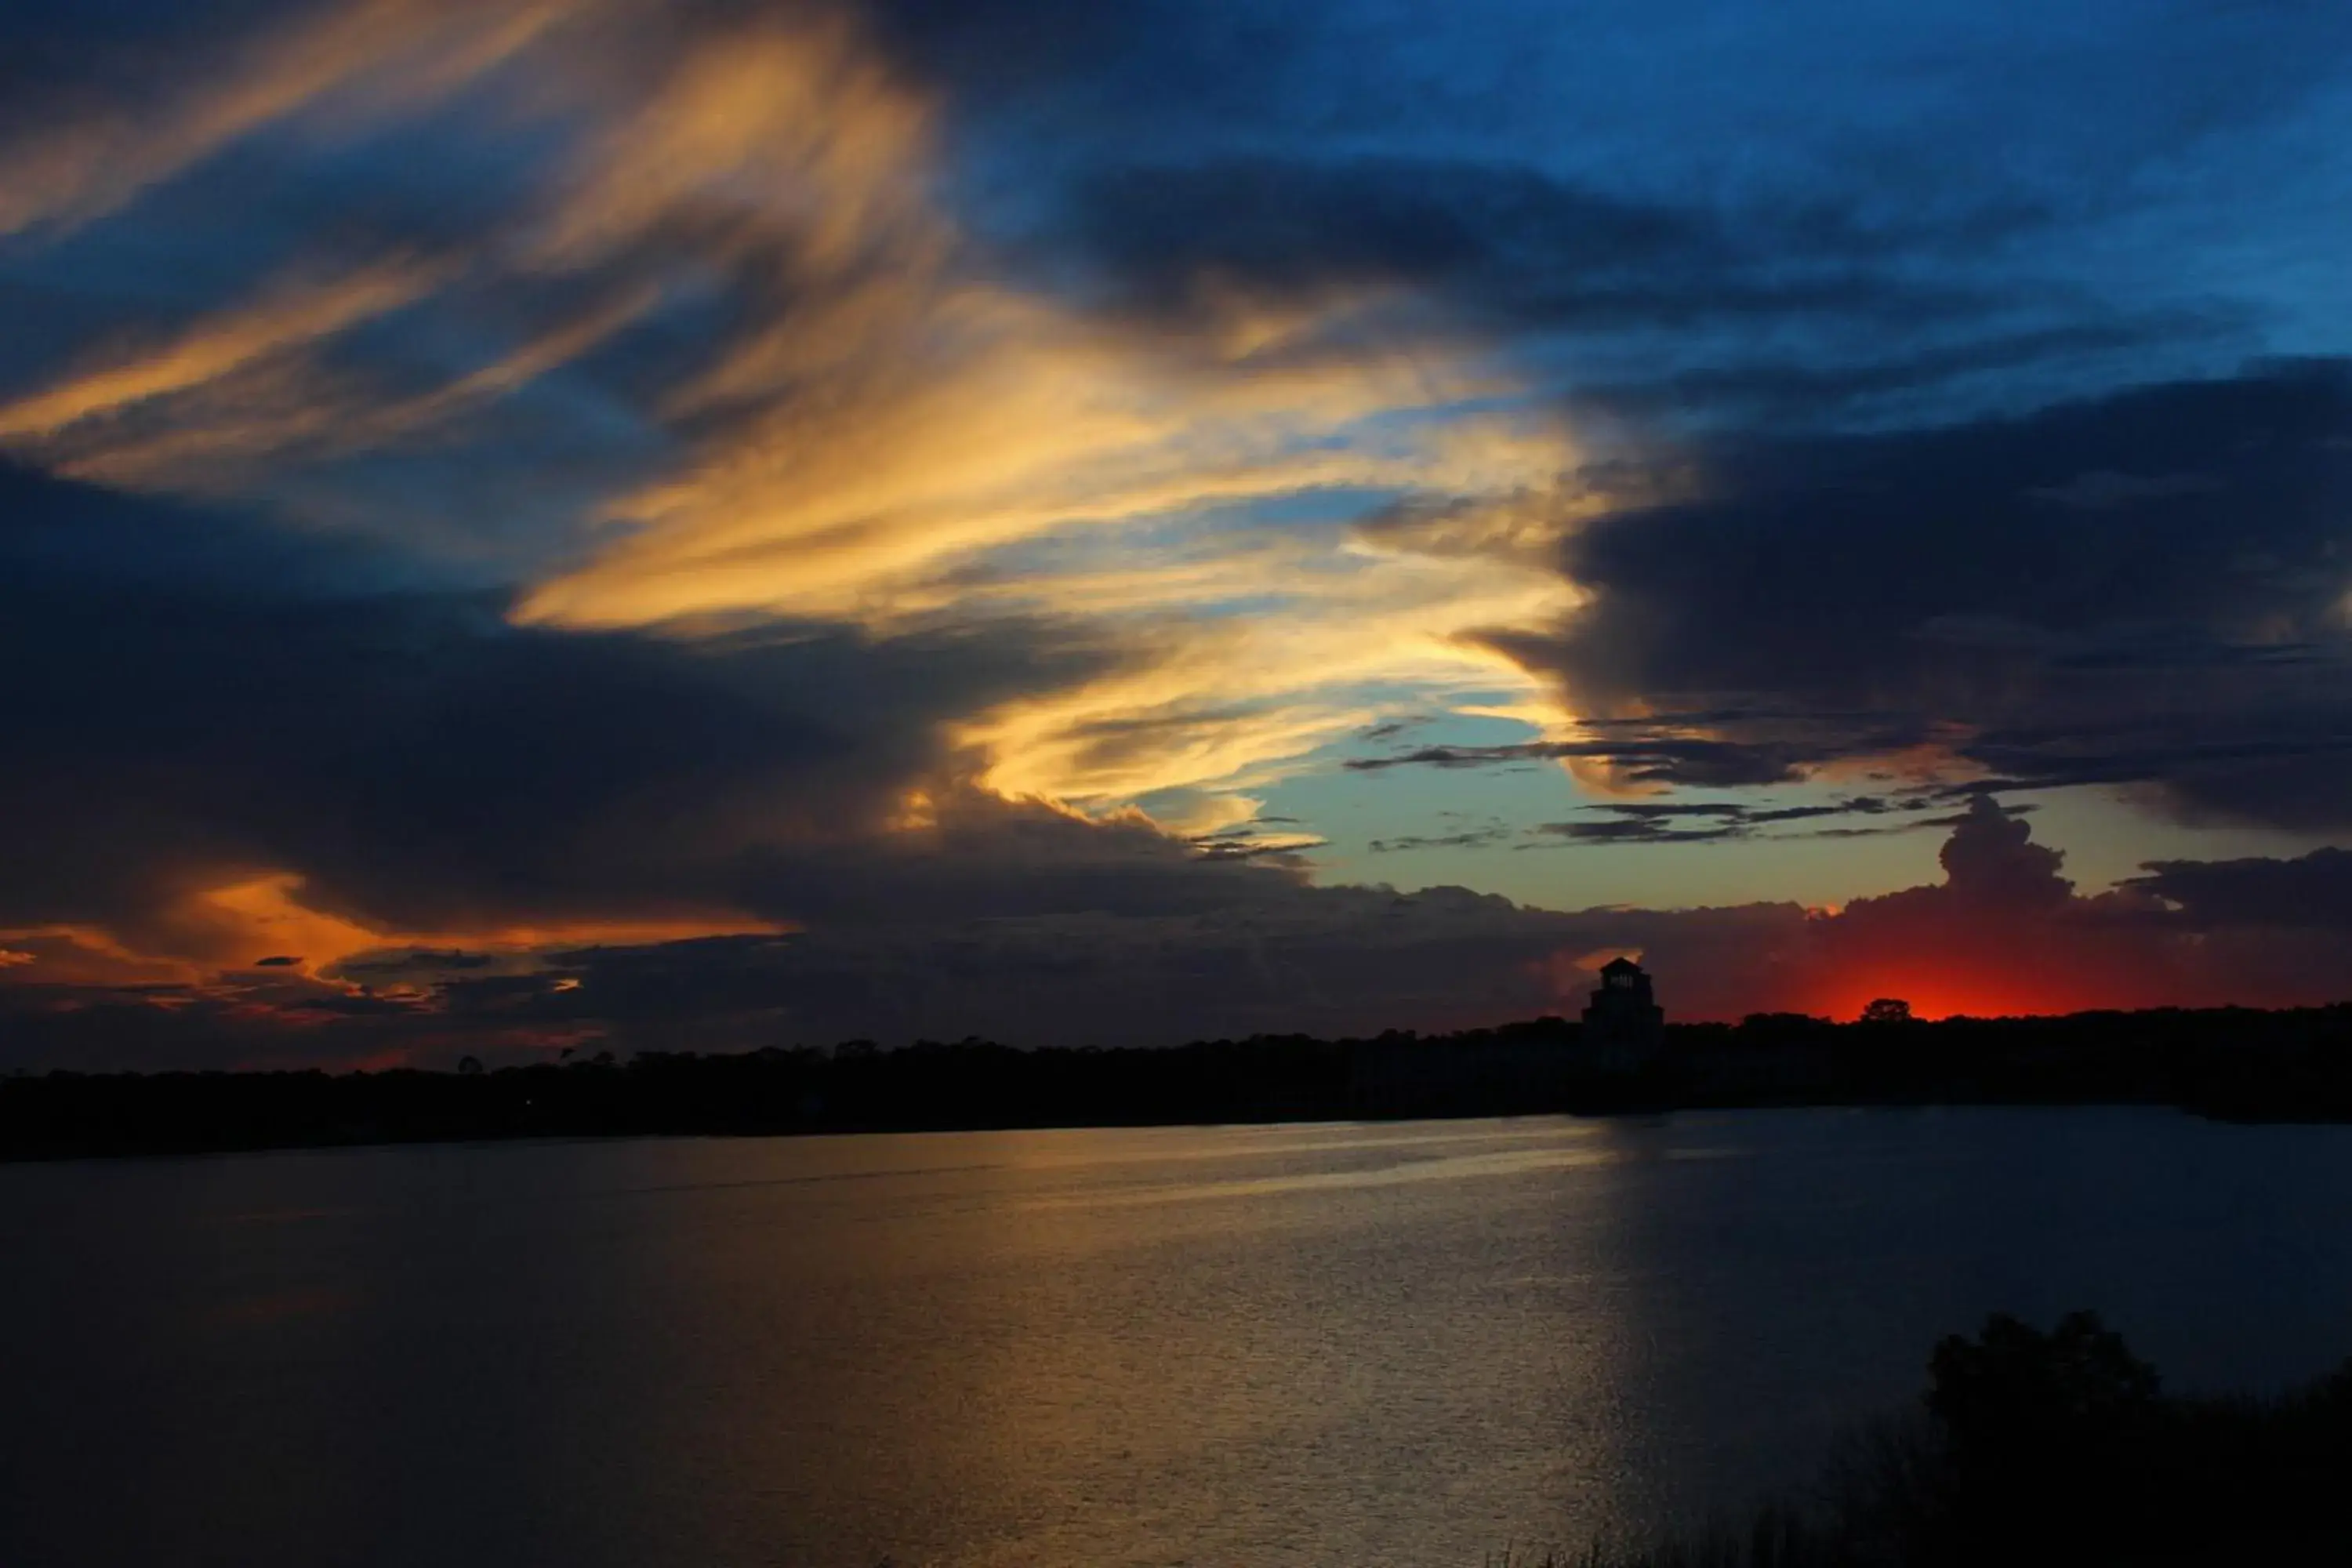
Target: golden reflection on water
1434,1168
1341,1346
1262,1345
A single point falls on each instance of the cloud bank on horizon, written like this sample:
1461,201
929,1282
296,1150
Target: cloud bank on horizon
564,519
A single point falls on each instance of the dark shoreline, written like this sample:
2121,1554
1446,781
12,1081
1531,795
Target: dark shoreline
2060,1448
2230,1064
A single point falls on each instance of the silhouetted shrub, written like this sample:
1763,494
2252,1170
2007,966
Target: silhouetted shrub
2034,1449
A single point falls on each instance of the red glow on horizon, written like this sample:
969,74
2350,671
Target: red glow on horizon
1933,995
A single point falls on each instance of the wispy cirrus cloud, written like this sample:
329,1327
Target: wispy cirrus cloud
891,432
286,317
364,60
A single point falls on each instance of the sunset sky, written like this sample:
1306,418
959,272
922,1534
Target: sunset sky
544,523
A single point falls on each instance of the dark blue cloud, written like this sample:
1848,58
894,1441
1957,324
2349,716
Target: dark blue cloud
2314,889
198,698
2148,588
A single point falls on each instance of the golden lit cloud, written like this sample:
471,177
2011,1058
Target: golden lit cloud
907,438
243,395
287,317
1266,520
241,922
1234,701
375,57
1203,815
785,140
851,497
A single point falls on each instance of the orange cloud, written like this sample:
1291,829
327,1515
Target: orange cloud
234,926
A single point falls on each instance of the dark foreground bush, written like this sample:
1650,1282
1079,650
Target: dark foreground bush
2058,1449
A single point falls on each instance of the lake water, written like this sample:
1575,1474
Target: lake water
1403,1343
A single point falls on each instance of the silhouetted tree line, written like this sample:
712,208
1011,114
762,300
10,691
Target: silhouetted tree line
2234,1062
2034,1448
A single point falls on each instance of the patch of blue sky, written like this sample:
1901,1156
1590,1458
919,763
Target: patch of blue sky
137,275
2255,216
1831,91
457,171
1484,827
91,277
1317,509
2107,837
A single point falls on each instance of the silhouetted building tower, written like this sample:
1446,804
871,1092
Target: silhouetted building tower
1624,1026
